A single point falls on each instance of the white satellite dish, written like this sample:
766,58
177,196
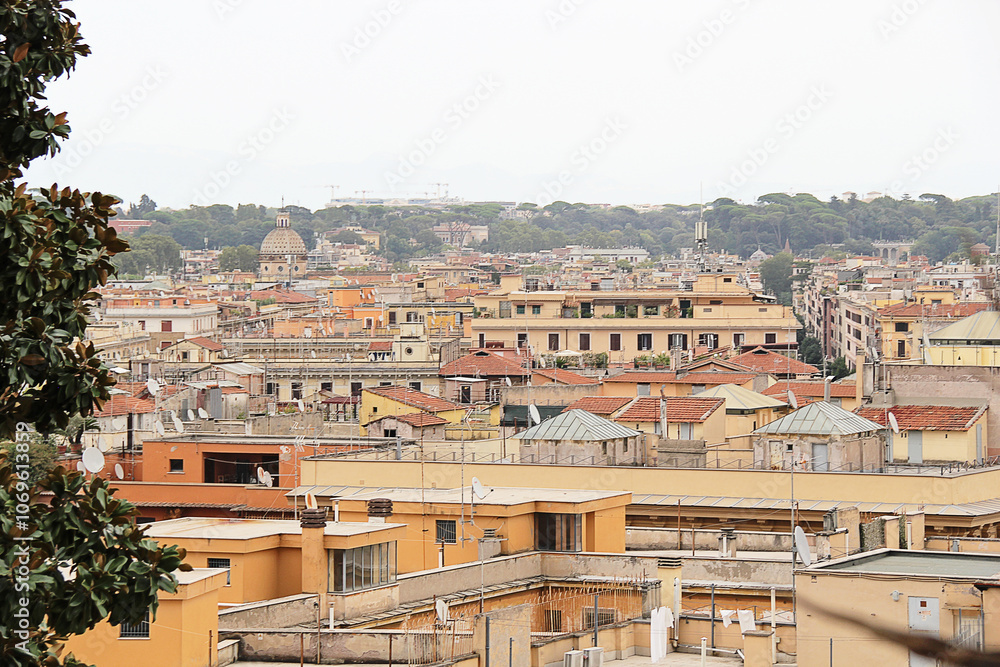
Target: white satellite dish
268,480
893,423
311,501
260,474
441,609
302,407
479,490
792,401
202,413
802,546
119,471
153,386
190,415
93,459
541,362
80,466
158,425
313,353
507,380
533,413
178,425
118,423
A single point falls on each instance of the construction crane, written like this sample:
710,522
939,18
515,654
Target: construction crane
362,193
439,189
333,192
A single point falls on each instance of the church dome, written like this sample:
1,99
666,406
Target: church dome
282,241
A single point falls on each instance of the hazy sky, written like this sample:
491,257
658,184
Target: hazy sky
625,101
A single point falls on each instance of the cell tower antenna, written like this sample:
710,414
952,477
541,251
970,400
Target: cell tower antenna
701,229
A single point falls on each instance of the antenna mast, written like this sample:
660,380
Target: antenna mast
701,230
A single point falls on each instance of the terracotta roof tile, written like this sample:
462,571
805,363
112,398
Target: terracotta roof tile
380,346
414,398
705,378
206,343
810,389
419,419
679,409
925,417
120,404
941,311
599,405
563,376
483,364
766,361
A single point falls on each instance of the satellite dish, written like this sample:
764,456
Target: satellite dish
202,413
792,401
93,459
541,362
507,380
311,501
302,407
441,609
478,489
178,425
158,425
533,413
80,467
190,415
118,423
893,423
313,353
802,547
119,471
260,474
268,480
153,386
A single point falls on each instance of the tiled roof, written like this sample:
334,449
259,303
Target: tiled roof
414,398
679,409
706,377
201,341
281,296
925,417
483,364
810,389
120,404
741,398
419,419
766,361
599,405
563,376
941,311
380,346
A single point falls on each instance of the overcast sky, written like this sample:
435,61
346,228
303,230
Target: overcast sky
624,101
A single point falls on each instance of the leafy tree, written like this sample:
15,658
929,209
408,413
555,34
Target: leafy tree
776,273
71,562
348,236
241,258
150,252
141,210
838,369
811,351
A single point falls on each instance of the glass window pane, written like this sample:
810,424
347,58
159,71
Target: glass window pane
337,567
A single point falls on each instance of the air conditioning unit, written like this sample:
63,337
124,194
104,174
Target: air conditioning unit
573,659
593,657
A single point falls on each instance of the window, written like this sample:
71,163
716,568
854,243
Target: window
356,388
389,433
185,356
710,340
553,620
416,385
650,310
902,326
176,465
326,386
392,317
584,342
586,309
536,310
522,340
465,393
678,341
142,325
901,348
615,344
296,390
644,341
620,310
138,630
553,342
520,310
605,616
270,388
166,325
738,339
363,567
482,340
221,563
446,531
770,339
557,532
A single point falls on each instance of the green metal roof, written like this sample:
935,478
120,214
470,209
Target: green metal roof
741,398
819,418
577,425
982,328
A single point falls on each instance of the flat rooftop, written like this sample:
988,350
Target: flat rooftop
498,495
920,563
245,529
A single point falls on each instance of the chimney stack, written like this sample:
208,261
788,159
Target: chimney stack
379,509
315,562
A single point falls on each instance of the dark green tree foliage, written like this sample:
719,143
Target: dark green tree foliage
141,210
71,562
150,253
776,274
241,258
56,245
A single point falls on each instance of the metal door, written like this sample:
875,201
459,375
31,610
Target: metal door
924,618
915,446
820,461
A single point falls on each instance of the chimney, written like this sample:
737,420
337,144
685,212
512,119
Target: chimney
315,563
826,388
379,509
